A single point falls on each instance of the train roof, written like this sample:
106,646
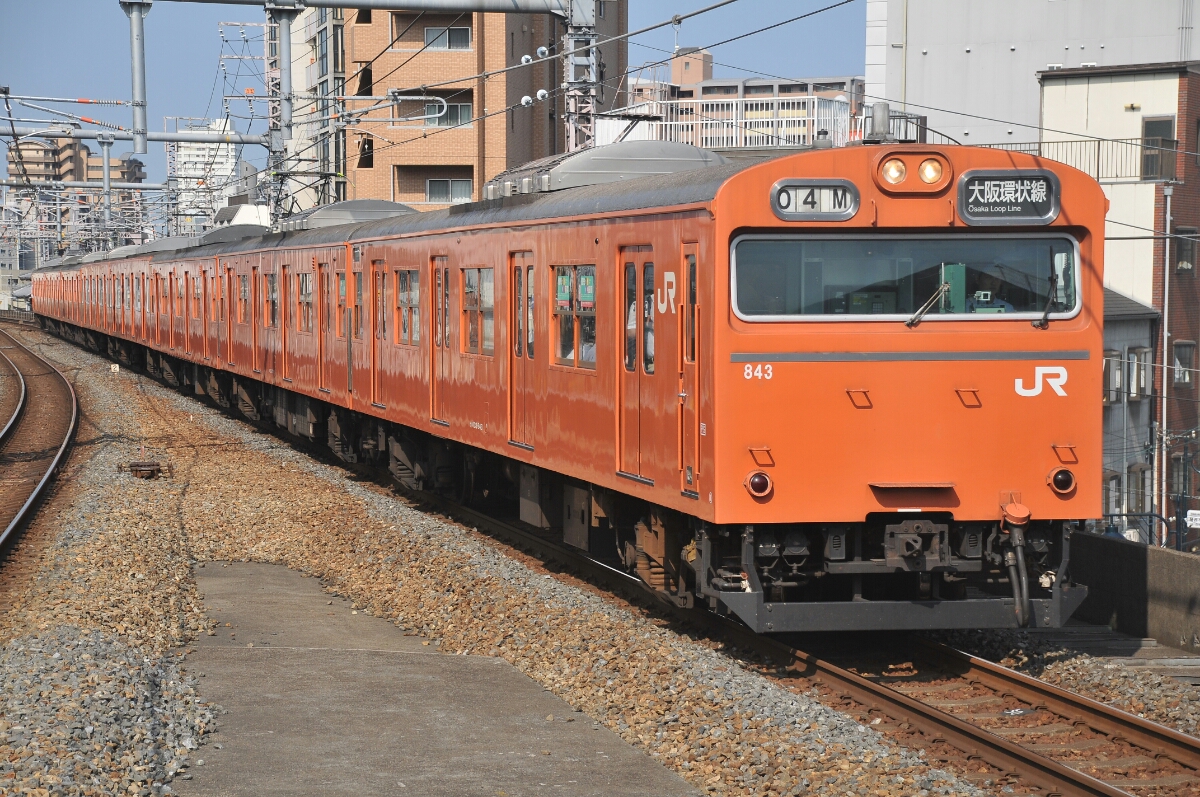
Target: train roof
641,193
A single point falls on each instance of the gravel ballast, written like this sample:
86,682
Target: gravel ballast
111,578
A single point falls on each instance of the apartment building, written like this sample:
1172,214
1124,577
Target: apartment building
69,160
981,58
457,129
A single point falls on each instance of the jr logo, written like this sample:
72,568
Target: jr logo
1055,376
666,294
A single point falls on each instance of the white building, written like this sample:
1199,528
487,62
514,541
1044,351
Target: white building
207,174
982,57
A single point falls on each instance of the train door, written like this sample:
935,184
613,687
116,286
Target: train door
440,371
354,336
637,366
324,325
689,381
286,318
520,291
255,318
378,328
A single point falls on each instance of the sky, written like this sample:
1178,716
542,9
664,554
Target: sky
80,48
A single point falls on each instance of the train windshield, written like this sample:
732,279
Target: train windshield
778,278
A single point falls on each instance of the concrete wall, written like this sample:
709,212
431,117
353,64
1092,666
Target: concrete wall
1139,590
981,56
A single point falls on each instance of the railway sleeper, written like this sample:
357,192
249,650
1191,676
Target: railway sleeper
772,577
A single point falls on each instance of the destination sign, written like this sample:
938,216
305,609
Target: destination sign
1008,197
814,200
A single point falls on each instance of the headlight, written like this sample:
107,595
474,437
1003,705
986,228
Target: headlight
894,171
930,170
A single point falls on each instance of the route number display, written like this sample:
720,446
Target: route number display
814,200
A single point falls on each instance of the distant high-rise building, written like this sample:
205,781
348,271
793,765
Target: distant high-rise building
206,174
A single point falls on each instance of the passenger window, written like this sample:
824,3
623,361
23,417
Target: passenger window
648,317
575,310
271,303
326,300
341,301
408,295
690,318
358,302
478,311
441,301
529,282
518,325
381,287
564,319
197,296
631,316
304,297
243,297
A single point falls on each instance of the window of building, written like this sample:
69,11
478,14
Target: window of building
759,91
1112,377
575,316
408,310
448,38
726,91
1141,374
304,302
1158,145
1160,127
448,192
270,300
794,88
457,113
322,52
1139,488
1185,250
478,308
600,4
363,17
1112,492
829,86
366,152
358,305
1181,481
1185,359
243,297
338,51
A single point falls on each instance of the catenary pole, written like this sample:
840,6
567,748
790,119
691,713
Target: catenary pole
137,10
1166,345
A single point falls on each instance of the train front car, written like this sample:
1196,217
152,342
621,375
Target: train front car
907,371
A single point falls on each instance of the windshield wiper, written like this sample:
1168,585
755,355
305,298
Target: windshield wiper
1044,321
942,290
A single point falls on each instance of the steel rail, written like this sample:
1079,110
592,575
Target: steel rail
20,408
26,510
1138,731
1033,768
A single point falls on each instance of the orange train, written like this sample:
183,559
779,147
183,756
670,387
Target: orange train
839,389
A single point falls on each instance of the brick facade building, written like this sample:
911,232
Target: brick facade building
433,162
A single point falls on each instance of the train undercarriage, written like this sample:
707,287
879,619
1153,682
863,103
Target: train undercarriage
892,571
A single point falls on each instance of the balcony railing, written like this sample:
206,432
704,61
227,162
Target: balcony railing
748,122
1114,160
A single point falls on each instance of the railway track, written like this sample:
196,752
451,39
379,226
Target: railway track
987,722
39,414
